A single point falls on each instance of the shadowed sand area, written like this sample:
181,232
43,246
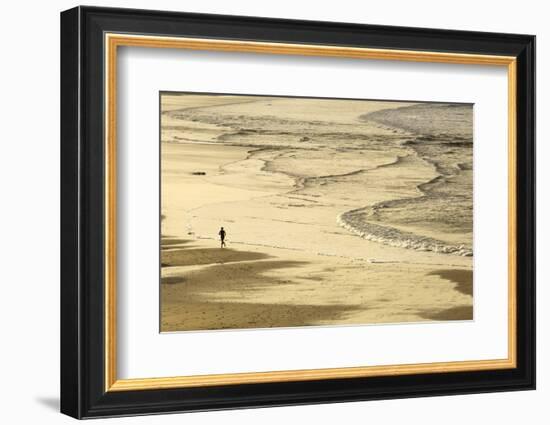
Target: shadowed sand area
463,278
168,243
464,284
196,256
186,303
215,288
336,212
465,312
211,315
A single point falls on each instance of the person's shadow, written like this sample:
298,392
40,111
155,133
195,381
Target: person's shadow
49,402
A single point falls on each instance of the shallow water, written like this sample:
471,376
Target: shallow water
442,137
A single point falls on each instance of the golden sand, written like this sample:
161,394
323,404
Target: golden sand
288,262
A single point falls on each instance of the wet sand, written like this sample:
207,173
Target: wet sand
288,261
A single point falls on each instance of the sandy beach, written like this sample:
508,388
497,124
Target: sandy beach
333,215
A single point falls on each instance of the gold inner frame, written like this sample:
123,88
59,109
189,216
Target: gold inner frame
113,41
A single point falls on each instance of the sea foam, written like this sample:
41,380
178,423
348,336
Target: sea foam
354,223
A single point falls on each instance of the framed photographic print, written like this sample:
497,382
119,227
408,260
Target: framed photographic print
261,212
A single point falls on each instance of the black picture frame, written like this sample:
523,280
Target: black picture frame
83,392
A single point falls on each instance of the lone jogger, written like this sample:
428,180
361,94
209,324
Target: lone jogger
222,237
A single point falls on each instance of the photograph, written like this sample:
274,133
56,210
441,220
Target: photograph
286,210
281,212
